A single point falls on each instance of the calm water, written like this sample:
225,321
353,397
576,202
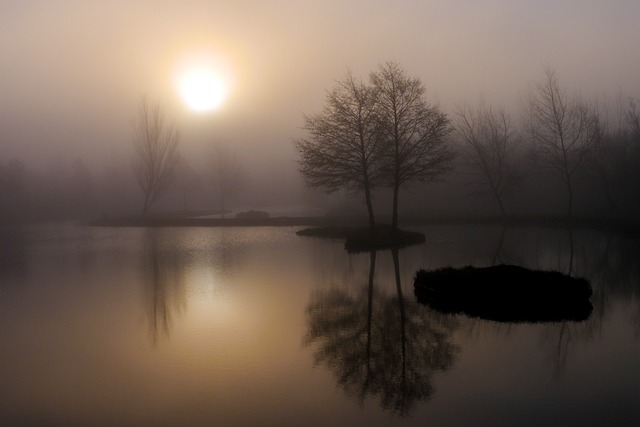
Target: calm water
260,327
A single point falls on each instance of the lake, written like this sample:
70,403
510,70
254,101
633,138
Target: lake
261,327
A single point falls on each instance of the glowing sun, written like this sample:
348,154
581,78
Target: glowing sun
202,89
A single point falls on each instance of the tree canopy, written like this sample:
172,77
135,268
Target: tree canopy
380,133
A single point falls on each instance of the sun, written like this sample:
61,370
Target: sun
202,89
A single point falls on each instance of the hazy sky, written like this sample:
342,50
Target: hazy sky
72,72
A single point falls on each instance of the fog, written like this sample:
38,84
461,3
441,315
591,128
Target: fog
73,74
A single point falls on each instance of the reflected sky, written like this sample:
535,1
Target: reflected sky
252,316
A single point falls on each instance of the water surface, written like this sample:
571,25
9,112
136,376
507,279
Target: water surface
257,326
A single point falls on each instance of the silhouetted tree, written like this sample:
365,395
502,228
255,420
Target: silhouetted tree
12,189
156,152
187,180
341,149
607,155
228,175
632,116
82,185
632,157
413,131
615,155
562,128
489,144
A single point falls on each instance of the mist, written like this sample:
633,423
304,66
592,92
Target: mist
73,76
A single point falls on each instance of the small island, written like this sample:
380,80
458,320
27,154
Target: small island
505,293
362,239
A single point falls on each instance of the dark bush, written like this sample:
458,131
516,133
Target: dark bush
505,293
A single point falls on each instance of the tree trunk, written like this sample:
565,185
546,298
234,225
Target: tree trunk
570,191
184,200
367,195
403,319
372,270
394,221
499,201
222,203
145,207
570,251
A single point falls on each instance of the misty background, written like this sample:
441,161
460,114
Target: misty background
73,74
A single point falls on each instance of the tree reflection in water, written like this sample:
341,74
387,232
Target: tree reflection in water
378,344
164,286
173,262
610,261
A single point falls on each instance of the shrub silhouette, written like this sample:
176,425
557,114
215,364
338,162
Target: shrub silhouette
505,293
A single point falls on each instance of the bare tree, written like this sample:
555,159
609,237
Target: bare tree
82,186
341,149
13,176
632,117
156,152
617,156
489,144
562,128
633,158
228,175
188,180
412,130
607,155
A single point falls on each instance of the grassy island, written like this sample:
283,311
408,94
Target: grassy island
361,239
505,293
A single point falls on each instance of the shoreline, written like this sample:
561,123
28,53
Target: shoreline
627,227
207,222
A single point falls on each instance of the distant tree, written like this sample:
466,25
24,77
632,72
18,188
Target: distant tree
228,174
12,177
12,189
616,156
562,128
632,117
342,146
488,143
187,180
156,152
632,121
607,155
413,131
82,187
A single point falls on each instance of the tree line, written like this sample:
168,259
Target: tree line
73,190
383,132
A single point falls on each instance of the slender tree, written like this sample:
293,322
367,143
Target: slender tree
562,128
607,155
633,158
13,177
228,175
413,131
82,186
156,152
341,149
188,180
488,143
632,117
